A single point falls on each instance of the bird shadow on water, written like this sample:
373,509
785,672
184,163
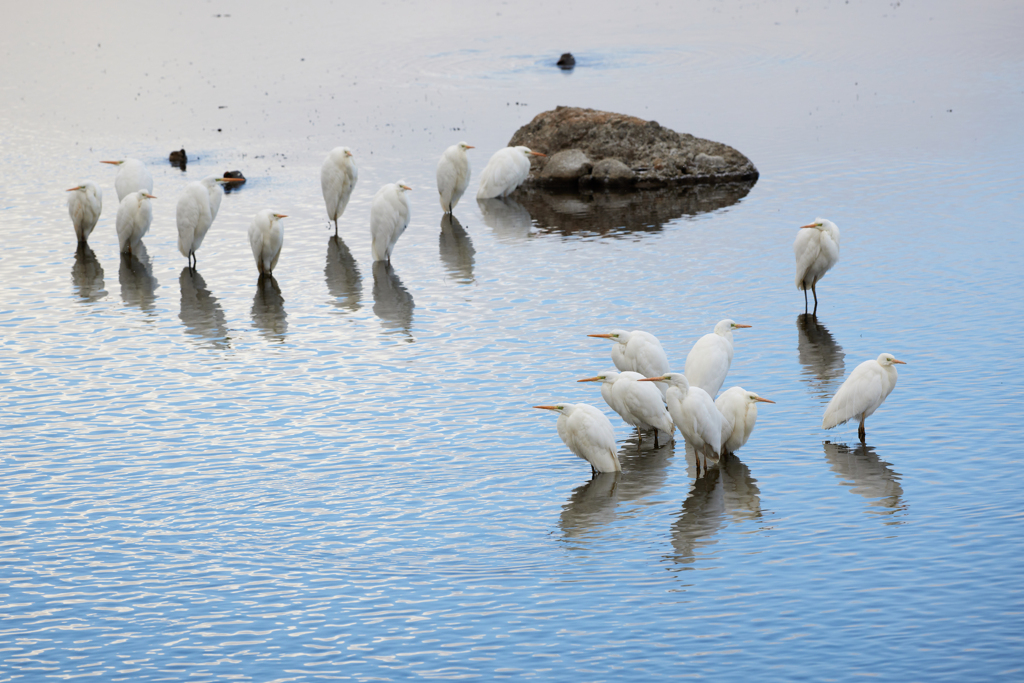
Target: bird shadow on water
392,302
201,314
820,356
87,275
138,284
509,219
341,272
867,475
268,315
456,249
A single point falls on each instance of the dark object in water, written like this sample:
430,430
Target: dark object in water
566,61
179,158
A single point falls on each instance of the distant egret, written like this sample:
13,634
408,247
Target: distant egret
84,206
588,433
132,176
134,216
739,413
453,175
862,393
389,217
639,405
266,237
817,250
708,362
637,351
197,208
338,177
508,168
694,412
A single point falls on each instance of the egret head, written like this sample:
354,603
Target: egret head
72,189
887,359
528,152
278,216
606,376
726,326
211,180
146,195
754,398
347,151
617,336
464,146
819,224
558,407
402,187
115,163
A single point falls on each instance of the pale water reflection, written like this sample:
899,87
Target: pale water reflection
138,284
509,219
867,475
87,274
392,302
341,272
201,313
820,355
456,249
268,314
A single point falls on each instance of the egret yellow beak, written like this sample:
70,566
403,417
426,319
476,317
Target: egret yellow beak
600,336
115,163
405,187
538,154
590,379
653,379
72,189
547,407
763,400
898,361
738,326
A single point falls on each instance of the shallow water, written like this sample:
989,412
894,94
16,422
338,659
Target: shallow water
336,473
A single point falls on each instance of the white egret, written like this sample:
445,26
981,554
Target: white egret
132,176
266,237
639,405
197,208
637,351
134,216
862,393
694,412
338,177
739,413
588,433
84,208
817,250
508,168
453,175
389,217
708,362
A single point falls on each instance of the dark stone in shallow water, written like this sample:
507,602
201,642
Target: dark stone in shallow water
179,158
566,61
656,156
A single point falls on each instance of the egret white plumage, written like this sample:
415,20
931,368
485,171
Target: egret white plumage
197,208
266,237
639,405
862,393
453,174
508,168
132,176
739,413
588,433
817,250
338,177
637,351
134,216
694,412
389,217
708,362
84,207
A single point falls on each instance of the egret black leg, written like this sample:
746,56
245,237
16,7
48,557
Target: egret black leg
335,227
805,299
814,291
656,438
861,432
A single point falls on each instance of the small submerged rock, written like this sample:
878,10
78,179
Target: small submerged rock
566,61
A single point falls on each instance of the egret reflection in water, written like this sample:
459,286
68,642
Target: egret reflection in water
456,249
820,356
138,284
392,302
867,475
201,314
509,219
87,274
268,314
342,274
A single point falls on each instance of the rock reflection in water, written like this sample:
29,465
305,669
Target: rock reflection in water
268,313
138,285
392,302
87,274
456,249
867,475
201,314
638,211
509,219
820,356
342,274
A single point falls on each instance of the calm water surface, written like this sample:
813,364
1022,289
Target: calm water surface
336,474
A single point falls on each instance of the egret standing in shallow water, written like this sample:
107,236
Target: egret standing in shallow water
695,414
708,362
389,217
134,216
639,405
338,177
862,393
84,207
132,176
266,237
637,351
453,175
508,169
588,433
817,250
197,208
739,413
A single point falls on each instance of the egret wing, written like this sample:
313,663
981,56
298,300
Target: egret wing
862,390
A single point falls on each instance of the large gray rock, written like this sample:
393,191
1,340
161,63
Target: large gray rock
656,156
567,166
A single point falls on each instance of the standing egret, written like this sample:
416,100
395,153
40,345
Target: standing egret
84,207
197,208
508,169
132,176
453,175
266,237
817,250
389,217
134,216
338,177
588,433
862,393
694,412
739,413
637,351
639,405
708,362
